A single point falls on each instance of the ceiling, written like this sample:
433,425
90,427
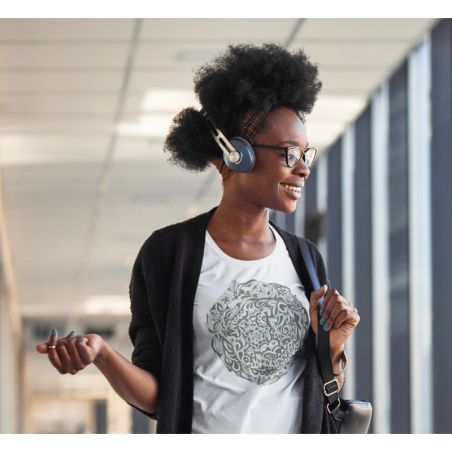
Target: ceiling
84,108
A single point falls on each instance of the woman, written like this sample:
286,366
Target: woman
223,332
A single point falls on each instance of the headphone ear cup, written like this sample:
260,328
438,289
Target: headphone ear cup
246,152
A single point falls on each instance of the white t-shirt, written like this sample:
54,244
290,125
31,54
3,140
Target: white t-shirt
250,320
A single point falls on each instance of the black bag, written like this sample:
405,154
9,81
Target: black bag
350,416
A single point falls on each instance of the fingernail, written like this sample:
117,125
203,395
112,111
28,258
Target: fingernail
322,322
52,332
321,311
326,327
72,333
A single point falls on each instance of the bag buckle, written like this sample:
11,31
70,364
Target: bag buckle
337,406
333,390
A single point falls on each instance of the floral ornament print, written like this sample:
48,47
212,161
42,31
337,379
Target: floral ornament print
257,328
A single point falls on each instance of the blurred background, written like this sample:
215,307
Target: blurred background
85,105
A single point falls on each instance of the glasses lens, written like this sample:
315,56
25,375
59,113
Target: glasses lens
309,156
294,154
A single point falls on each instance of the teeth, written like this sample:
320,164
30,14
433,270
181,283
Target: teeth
291,187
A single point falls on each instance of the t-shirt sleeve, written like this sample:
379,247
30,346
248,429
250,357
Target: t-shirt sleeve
146,353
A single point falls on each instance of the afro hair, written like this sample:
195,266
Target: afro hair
246,76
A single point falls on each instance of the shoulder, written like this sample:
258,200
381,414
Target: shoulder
314,249
292,240
290,236
164,239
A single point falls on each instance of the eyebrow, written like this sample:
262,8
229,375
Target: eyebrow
295,143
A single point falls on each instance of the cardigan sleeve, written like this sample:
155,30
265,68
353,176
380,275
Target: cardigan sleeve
147,350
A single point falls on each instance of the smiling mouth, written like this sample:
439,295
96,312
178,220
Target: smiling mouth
293,192
293,188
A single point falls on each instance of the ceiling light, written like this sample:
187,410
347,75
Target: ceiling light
107,304
168,100
154,125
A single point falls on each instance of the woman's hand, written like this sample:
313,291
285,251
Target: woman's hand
339,316
71,353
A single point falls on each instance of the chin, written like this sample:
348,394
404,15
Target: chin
290,210
285,208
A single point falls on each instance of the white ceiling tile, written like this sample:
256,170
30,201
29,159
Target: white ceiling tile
64,55
66,29
143,80
133,102
29,157
38,146
337,81
330,108
40,103
353,55
337,30
174,55
78,81
56,124
222,30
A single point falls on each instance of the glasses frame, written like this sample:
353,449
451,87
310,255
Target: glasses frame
286,150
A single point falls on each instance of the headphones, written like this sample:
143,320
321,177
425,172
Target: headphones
238,154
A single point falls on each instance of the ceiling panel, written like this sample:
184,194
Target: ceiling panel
56,123
63,55
14,104
337,81
89,81
142,80
179,55
353,55
203,30
53,141
336,30
66,29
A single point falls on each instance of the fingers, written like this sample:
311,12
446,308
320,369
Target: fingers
332,306
76,362
63,353
336,310
319,293
315,298
70,359
81,343
341,318
42,348
52,353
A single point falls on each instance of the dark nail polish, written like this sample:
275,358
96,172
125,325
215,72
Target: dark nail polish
52,332
72,333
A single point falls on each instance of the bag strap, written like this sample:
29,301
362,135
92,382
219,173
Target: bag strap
330,383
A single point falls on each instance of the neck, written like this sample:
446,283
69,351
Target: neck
239,221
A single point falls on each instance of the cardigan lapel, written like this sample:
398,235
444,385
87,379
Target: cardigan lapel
179,334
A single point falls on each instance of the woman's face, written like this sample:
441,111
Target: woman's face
262,186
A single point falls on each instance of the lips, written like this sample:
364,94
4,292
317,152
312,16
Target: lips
292,193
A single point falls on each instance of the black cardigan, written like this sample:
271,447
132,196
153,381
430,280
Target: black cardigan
162,290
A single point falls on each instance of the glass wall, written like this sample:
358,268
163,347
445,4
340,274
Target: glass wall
388,245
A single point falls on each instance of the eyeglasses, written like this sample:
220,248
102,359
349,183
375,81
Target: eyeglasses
293,154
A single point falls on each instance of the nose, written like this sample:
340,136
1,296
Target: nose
301,169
